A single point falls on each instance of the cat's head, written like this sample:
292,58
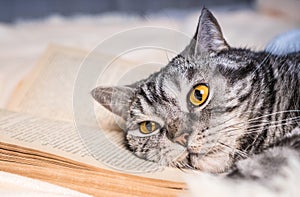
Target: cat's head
188,113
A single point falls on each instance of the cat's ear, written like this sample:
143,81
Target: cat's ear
208,37
116,99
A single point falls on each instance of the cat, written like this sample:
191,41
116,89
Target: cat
214,108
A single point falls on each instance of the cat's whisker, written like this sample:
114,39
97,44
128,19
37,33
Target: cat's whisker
231,132
269,126
181,165
262,62
279,112
254,130
253,120
274,123
239,152
186,166
255,126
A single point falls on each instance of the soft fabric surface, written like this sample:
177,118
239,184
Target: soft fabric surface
15,185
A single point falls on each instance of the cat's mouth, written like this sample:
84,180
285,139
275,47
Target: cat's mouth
208,161
184,161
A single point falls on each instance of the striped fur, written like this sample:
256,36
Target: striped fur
253,107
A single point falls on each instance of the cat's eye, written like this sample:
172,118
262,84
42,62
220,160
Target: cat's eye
147,127
199,94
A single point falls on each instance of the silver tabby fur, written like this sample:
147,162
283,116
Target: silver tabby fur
248,127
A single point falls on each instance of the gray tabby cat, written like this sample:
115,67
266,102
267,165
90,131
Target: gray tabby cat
214,108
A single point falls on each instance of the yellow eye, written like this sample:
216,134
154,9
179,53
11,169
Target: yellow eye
147,127
199,94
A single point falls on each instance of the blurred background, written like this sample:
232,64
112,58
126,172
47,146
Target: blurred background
12,10
28,27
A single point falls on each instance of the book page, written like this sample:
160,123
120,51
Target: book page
52,126
61,138
61,171
48,89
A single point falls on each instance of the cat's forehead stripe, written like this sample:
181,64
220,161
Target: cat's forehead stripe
162,91
146,95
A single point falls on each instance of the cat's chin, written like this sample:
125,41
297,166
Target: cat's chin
214,163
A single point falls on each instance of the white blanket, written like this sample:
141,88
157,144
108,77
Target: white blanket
15,185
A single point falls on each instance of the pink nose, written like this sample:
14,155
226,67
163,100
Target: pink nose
182,139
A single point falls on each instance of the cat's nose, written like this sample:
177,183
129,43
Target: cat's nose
182,139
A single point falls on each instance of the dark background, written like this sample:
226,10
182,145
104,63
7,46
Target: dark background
12,10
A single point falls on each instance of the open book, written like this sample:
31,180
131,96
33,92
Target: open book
49,133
